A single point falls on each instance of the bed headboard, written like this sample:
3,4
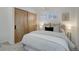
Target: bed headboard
54,25
58,27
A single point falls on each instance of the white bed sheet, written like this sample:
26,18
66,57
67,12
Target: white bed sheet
46,41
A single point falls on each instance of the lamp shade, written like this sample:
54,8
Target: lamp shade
69,27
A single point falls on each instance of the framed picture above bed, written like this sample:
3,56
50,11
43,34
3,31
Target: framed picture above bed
65,16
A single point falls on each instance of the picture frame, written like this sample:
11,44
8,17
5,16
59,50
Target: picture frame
65,16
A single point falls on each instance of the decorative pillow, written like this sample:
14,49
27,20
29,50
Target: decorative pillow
62,28
56,28
49,28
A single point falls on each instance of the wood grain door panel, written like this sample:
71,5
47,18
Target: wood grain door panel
21,24
25,22
31,21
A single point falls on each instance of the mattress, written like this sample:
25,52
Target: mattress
46,41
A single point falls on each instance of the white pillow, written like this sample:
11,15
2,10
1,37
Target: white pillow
56,29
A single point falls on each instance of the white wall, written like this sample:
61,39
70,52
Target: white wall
77,36
6,25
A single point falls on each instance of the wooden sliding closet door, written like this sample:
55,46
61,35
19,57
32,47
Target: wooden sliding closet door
20,24
32,23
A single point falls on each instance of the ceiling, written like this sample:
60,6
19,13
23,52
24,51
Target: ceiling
47,9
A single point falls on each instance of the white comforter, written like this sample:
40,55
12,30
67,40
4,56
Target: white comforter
46,41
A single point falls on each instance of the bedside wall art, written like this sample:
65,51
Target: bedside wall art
65,16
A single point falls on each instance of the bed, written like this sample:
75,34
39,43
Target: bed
46,41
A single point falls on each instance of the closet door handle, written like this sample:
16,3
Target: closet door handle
15,27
